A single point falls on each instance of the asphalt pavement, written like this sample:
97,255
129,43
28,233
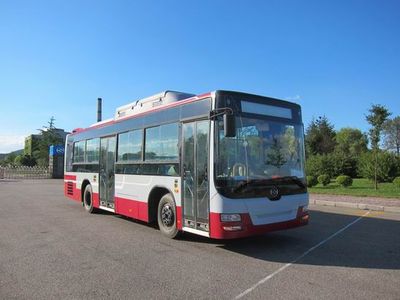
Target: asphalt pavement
50,248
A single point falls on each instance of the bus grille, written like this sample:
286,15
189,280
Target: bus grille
70,188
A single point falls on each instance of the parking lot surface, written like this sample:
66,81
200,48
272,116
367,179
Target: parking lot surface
51,248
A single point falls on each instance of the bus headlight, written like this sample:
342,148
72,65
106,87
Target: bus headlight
230,218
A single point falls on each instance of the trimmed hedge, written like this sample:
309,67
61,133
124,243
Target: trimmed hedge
311,181
324,179
396,181
344,180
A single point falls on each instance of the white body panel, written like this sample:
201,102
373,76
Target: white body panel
138,187
81,176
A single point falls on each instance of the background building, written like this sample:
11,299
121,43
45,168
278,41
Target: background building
31,143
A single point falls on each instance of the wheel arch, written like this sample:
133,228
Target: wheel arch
85,183
154,198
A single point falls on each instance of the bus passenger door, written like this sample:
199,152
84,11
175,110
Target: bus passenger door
107,175
195,175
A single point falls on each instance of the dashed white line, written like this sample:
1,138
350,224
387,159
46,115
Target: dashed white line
265,279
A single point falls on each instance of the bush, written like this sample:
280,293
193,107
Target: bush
344,164
344,180
324,179
396,181
320,164
387,167
311,181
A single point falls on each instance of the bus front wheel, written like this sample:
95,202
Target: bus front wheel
166,216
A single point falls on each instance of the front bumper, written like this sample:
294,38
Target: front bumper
230,230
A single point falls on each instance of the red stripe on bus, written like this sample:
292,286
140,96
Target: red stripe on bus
132,208
217,230
69,177
96,201
179,217
71,191
139,210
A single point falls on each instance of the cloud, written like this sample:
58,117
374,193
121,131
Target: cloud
293,98
10,143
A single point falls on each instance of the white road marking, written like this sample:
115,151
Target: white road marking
265,279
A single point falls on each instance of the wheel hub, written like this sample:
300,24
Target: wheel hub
167,215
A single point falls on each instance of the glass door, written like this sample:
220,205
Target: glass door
195,174
107,175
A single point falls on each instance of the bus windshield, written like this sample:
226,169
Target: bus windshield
262,153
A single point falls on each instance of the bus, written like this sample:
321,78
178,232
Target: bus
222,165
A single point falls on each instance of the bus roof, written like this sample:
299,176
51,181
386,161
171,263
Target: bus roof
156,102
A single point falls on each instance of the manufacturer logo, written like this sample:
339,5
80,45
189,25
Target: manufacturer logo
274,192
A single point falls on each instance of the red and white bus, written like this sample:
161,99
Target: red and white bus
222,165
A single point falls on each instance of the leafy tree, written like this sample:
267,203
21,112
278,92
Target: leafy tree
391,131
49,137
351,141
10,159
378,114
27,160
344,164
376,118
17,160
317,165
385,171
320,137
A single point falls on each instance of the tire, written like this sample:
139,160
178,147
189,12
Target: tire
88,199
166,216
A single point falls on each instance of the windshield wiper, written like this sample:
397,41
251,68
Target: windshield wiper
257,182
243,184
293,179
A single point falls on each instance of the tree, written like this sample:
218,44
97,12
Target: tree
320,137
320,164
391,132
17,160
350,144
27,160
351,141
377,117
378,114
385,171
10,158
49,137
344,164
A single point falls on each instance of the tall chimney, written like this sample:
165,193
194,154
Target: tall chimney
99,109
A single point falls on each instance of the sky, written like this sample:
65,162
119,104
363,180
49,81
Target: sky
334,58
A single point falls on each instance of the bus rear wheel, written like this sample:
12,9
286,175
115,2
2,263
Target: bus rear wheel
166,216
88,199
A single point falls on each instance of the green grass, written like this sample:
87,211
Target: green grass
360,187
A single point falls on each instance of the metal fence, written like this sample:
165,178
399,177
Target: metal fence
24,172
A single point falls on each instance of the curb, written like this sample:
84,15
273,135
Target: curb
362,206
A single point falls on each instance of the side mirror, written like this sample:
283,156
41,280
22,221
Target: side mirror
229,125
